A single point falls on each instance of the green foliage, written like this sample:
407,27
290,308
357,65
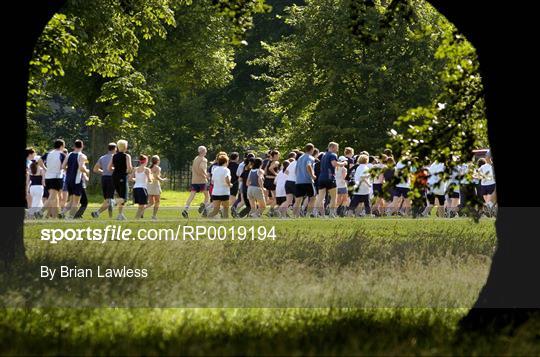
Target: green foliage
326,84
240,12
55,43
117,61
454,124
247,74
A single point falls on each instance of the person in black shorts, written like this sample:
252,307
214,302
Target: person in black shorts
107,186
121,166
75,166
52,163
327,180
270,173
248,165
305,178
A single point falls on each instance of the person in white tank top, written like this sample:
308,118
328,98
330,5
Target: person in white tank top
341,184
52,162
142,176
154,188
290,181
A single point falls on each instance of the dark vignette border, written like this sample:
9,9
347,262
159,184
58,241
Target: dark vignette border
503,34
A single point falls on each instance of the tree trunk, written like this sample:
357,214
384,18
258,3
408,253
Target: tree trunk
512,291
100,138
27,29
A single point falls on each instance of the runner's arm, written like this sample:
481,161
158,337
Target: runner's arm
310,171
82,164
42,164
129,165
65,162
97,168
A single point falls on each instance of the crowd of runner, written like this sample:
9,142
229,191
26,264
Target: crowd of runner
306,183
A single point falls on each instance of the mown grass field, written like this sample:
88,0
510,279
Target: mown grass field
345,286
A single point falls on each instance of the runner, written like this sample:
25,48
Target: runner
154,187
221,193
362,188
52,162
378,182
248,164
305,177
30,157
454,189
120,166
35,186
75,166
436,189
270,173
281,193
84,198
141,176
107,186
401,203
63,201
255,194
233,168
199,179
488,185
242,187
207,208
327,180
342,189
290,184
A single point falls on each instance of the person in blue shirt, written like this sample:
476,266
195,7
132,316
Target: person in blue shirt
305,177
327,180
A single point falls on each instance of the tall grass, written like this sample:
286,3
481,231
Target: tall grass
322,287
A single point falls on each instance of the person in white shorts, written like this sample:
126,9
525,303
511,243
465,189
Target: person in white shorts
341,185
35,185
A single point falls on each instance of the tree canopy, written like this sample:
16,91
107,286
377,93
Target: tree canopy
252,74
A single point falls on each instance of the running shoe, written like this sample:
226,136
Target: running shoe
95,214
185,213
202,207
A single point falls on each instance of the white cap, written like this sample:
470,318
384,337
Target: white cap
342,158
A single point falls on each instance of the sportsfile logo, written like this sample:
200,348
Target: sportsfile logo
119,233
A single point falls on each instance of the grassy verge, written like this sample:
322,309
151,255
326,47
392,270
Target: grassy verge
321,287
